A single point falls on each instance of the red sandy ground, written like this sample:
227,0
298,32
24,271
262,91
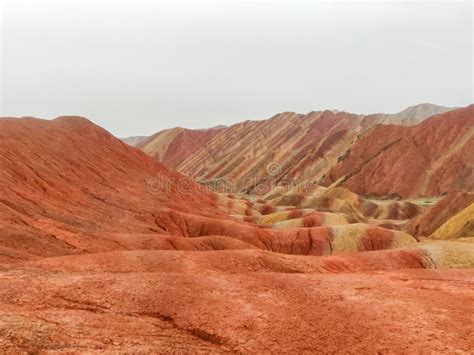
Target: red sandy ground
252,311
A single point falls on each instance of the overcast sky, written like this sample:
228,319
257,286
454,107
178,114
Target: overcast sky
137,67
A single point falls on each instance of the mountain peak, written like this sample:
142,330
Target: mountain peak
421,111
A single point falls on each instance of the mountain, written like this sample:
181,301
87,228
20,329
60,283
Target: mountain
414,114
172,146
134,141
411,115
432,158
256,156
420,112
66,183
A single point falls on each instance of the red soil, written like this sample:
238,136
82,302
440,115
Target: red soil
295,213
376,239
267,209
313,220
409,311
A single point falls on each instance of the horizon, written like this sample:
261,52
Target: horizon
138,68
231,124
296,112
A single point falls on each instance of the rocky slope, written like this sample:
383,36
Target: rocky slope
432,158
460,226
172,146
286,146
433,217
65,183
256,156
103,249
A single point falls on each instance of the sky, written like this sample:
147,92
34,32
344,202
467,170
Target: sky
136,67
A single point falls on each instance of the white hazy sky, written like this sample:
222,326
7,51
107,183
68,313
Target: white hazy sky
135,67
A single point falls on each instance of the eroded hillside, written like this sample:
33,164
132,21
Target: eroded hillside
102,248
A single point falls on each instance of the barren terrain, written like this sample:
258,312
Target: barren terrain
103,248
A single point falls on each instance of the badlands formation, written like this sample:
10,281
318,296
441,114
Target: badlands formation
103,248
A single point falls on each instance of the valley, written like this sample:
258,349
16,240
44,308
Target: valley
105,248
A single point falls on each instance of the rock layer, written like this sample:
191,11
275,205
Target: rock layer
172,146
257,156
432,158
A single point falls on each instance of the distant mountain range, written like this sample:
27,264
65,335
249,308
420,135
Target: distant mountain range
314,147
411,115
